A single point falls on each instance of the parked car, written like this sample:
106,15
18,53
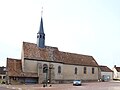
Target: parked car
105,78
77,83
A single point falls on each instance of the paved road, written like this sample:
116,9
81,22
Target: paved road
85,86
3,88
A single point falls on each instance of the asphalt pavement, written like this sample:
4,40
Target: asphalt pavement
85,86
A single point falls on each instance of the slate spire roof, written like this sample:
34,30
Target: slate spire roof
41,36
41,30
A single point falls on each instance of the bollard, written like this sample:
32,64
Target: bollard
50,85
43,85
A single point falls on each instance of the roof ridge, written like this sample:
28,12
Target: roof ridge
13,58
75,53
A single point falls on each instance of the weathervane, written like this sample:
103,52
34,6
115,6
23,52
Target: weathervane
42,12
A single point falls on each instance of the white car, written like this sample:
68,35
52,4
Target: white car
77,83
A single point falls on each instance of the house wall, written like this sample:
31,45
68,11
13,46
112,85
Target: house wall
2,78
116,75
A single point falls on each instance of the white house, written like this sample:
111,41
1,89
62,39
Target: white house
116,71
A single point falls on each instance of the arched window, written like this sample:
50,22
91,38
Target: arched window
59,69
43,37
75,70
40,36
45,68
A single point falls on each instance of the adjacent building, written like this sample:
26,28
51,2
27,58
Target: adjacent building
106,73
2,74
116,71
40,63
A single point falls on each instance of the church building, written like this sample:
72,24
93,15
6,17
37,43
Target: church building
40,63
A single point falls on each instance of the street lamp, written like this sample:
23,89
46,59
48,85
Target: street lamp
45,70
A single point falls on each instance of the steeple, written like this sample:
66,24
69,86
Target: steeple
41,35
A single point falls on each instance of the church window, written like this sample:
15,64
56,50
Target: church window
59,69
43,37
85,70
3,77
75,70
40,36
45,68
93,70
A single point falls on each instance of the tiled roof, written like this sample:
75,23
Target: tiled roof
118,69
31,51
105,69
14,68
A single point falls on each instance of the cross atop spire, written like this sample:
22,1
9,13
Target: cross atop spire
42,12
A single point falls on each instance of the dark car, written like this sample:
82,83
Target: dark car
77,83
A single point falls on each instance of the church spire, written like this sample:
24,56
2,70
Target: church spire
41,35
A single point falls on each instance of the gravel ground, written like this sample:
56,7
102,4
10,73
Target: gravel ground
85,86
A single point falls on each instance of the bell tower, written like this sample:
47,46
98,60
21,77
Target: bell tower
41,35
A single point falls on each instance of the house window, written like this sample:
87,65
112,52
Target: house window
59,69
93,70
45,68
75,70
85,70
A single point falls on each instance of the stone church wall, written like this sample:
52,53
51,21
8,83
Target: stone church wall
30,66
33,66
69,73
58,76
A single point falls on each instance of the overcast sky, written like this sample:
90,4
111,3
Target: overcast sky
90,27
